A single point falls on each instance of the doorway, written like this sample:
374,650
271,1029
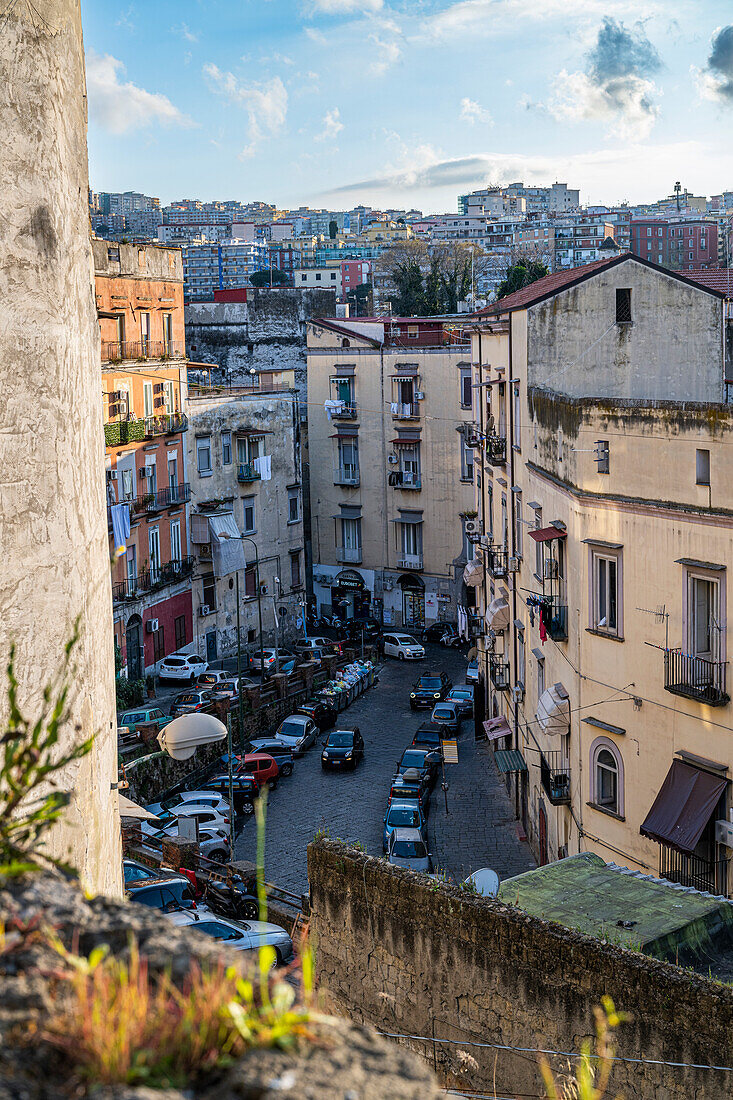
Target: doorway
211,655
134,647
543,837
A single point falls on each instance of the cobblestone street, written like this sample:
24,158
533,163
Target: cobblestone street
478,831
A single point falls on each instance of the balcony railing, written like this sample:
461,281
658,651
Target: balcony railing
499,672
119,432
557,624
555,777
168,498
349,554
405,479
695,678
475,625
410,561
115,351
710,875
345,412
497,561
401,411
346,475
246,471
152,579
165,424
496,450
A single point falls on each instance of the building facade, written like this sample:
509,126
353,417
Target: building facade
391,474
682,243
139,292
606,529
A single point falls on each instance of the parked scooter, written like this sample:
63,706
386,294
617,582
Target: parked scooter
231,901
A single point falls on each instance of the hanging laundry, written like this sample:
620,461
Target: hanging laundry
120,514
333,408
263,466
394,408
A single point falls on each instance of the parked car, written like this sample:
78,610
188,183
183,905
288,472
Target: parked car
462,697
403,646
262,766
448,715
428,689
419,760
211,679
472,671
342,749
247,935
204,815
167,894
322,710
354,628
429,735
193,798
144,716
305,648
134,872
436,631
231,686
407,848
189,701
411,785
244,789
298,732
279,752
403,814
181,666
257,662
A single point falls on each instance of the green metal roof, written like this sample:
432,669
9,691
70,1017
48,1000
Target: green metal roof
510,760
622,907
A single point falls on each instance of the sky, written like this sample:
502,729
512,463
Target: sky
408,103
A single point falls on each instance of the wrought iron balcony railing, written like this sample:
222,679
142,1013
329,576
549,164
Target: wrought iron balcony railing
346,475
410,561
496,450
499,672
555,777
151,579
497,561
116,351
710,875
119,432
246,471
168,498
557,624
695,677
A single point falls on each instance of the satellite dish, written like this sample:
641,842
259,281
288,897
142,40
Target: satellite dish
486,882
181,737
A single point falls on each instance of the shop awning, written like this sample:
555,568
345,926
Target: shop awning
545,534
227,548
553,710
405,441
510,760
686,801
495,728
473,574
497,615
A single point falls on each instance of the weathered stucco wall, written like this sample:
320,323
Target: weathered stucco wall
53,528
397,951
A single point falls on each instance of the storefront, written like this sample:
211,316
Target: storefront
350,597
413,601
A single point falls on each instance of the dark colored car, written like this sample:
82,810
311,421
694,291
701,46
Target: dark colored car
168,895
462,696
435,632
353,628
429,735
282,755
413,785
417,760
244,787
431,687
323,711
189,701
343,749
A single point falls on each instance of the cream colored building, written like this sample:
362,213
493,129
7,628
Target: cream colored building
606,499
391,477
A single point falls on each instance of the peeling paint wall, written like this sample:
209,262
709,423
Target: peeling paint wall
53,529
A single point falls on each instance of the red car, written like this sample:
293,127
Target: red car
262,767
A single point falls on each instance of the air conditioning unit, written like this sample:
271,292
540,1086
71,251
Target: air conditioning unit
392,459
473,528
152,626
419,395
724,833
112,475
550,569
204,609
146,471
514,565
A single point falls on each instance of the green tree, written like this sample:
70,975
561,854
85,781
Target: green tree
521,274
273,276
409,297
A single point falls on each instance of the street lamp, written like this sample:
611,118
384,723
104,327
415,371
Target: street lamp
181,737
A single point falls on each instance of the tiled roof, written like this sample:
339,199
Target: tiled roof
720,279
546,287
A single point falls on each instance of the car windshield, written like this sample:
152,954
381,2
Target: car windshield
291,729
405,639
414,758
429,682
409,849
340,740
402,816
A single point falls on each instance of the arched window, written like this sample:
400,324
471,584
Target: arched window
607,776
345,343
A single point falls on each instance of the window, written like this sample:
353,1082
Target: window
148,406
702,467
538,551
333,276
623,306
159,644
175,540
293,505
518,533
466,459
141,257
607,776
169,391
411,540
318,277
520,656
154,549
466,388
179,625
168,333
145,331
250,581
249,515
605,592
348,459
226,448
203,455
410,465
703,617
603,458
295,570
351,534
208,591
540,675
517,417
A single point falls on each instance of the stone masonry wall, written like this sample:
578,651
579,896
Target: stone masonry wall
410,956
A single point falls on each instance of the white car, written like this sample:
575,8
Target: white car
183,666
211,843
204,815
403,646
298,732
246,935
472,671
256,662
176,802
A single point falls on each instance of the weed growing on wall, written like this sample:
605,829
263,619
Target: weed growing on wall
592,1077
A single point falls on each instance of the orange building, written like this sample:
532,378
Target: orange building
139,291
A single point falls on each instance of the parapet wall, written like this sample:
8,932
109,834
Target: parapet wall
418,958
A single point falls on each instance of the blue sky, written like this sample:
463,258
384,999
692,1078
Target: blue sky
408,102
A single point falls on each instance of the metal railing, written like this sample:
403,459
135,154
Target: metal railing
555,777
710,875
497,561
152,578
116,351
404,479
346,412
499,672
407,411
349,554
246,471
695,677
165,424
168,498
557,623
346,475
410,561
496,450
119,432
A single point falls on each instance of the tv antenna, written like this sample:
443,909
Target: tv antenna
661,615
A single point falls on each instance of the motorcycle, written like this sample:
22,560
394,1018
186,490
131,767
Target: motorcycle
231,901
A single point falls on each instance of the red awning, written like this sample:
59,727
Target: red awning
686,801
495,728
544,534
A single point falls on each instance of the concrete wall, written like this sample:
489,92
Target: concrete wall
408,956
52,503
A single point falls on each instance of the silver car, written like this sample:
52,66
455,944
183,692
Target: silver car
407,848
297,732
242,935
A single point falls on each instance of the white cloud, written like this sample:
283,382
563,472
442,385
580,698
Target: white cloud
627,104
266,103
121,106
332,125
497,17
185,33
473,112
345,7
388,54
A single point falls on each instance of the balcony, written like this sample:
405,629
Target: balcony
166,424
410,561
695,678
119,432
497,562
346,475
344,412
350,554
499,672
555,777
405,412
496,450
556,624
151,580
710,875
246,472
115,351
405,479
167,498
475,625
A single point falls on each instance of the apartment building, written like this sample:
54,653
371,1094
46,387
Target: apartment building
606,526
139,293
391,475
244,453
579,240
319,278
222,266
680,243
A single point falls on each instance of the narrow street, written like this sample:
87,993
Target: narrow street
478,831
